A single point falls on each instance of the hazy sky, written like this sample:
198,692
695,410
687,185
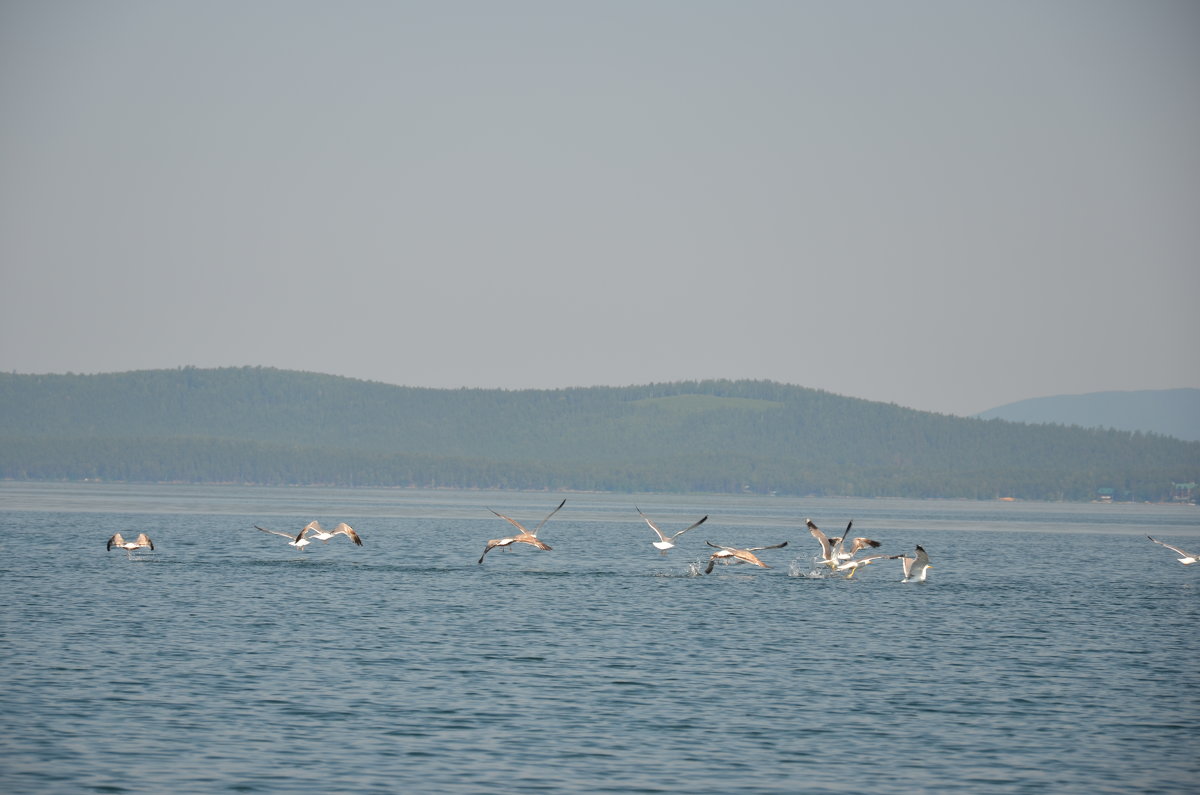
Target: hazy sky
946,205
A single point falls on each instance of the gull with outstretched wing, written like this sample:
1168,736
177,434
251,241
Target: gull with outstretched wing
523,537
143,542
916,566
665,541
738,555
1188,557
298,541
315,530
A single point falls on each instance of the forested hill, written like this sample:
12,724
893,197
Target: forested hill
261,425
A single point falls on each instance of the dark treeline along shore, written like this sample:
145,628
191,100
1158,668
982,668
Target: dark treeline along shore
268,426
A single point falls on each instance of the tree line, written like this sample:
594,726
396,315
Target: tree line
260,425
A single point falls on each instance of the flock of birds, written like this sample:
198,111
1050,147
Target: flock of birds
314,529
838,553
299,540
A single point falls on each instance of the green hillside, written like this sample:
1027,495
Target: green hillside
260,425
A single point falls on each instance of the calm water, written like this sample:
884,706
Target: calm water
1054,649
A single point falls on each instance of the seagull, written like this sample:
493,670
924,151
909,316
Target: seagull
298,541
827,544
853,564
833,550
915,566
666,542
143,540
1187,559
524,537
735,555
841,555
315,530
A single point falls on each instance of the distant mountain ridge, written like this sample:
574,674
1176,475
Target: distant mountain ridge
262,425
1170,412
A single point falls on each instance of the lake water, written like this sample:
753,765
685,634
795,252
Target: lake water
1053,650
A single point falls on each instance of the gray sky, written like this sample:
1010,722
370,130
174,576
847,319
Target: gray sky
946,205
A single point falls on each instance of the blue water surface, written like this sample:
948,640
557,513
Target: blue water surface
1053,649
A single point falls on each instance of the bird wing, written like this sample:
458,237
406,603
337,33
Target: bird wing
556,510
862,543
839,544
533,541
718,546
348,531
498,542
689,527
276,532
746,556
773,546
826,544
115,541
513,522
313,527
143,540
1168,546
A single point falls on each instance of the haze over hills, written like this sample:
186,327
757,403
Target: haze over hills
261,425
1170,412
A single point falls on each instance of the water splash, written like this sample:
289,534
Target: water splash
810,570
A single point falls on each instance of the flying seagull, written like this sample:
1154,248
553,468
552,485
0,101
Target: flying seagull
915,566
298,541
854,564
524,537
666,542
315,530
841,554
735,555
1187,559
143,541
